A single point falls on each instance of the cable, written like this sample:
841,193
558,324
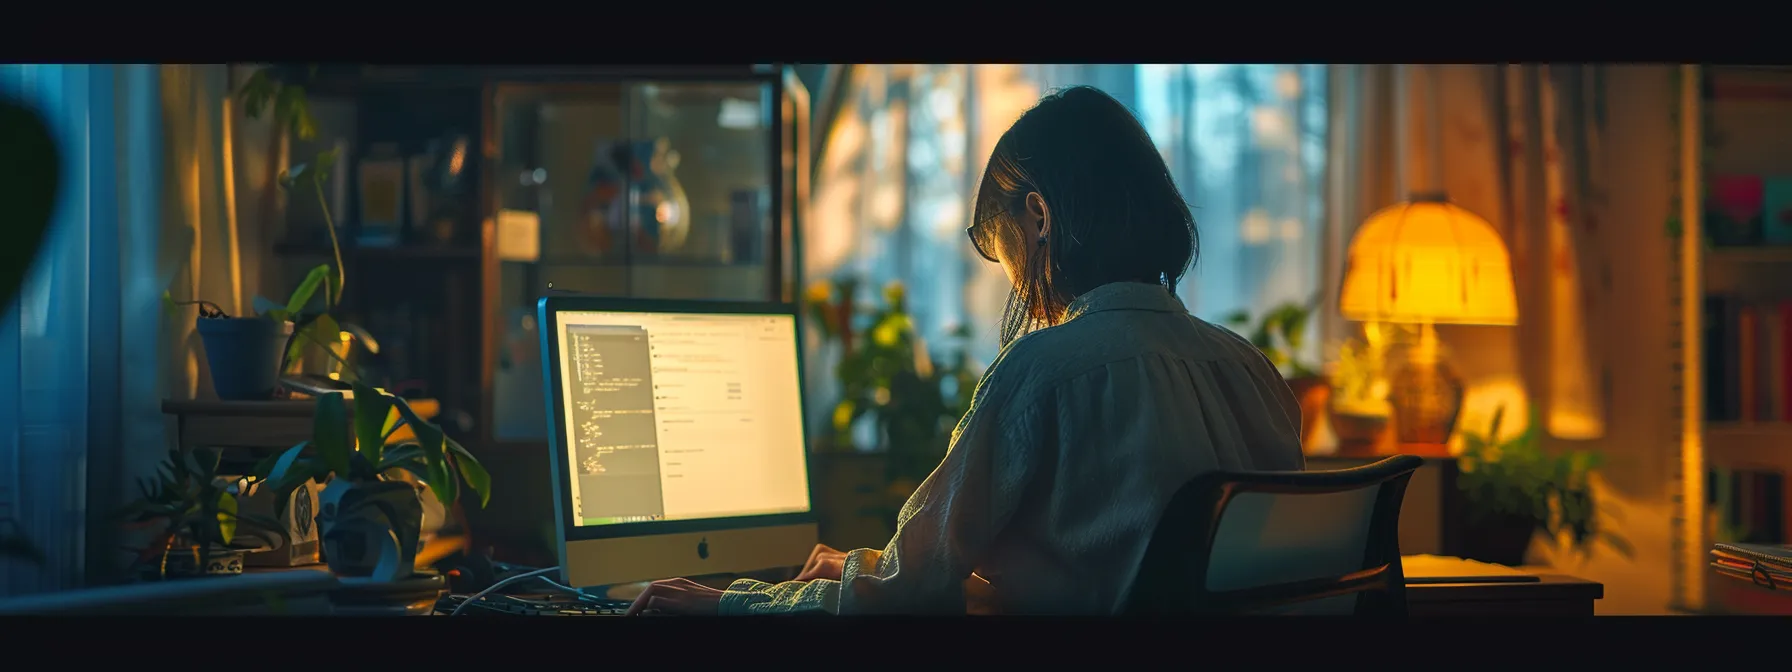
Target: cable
494,587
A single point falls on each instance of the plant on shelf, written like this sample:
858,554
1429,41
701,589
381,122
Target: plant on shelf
1280,333
1513,489
887,378
1358,408
248,354
194,514
280,91
371,522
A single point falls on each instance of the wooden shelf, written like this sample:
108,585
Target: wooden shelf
465,252
1764,444
1767,254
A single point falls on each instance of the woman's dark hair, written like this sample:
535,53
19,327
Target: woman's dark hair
1116,215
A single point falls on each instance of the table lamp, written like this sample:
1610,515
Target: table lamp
1426,262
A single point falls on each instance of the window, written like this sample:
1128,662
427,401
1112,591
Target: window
903,155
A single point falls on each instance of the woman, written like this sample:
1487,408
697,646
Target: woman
1082,430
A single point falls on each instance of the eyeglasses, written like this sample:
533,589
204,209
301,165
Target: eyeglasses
977,234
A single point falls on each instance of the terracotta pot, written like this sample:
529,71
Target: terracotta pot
1312,392
1360,434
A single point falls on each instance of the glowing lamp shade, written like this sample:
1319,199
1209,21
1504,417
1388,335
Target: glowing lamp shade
1427,261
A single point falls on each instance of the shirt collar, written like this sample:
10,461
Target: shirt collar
1125,296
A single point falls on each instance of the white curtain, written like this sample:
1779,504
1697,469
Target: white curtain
1246,143
1520,146
146,194
78,402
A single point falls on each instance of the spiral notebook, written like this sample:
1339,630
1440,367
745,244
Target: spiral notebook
1766,565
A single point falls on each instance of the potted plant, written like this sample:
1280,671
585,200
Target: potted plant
1358,409
1514,489
247,354
280,91
195,515
371,523
888,379
1279,333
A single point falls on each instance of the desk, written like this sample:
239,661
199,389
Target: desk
1505,591
1551,595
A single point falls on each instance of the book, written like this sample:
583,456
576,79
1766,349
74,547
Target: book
1733,209
1776,210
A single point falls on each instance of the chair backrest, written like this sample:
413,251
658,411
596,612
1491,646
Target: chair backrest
1315,542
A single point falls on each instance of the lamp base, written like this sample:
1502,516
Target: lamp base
1426,395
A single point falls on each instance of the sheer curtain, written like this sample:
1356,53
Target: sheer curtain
1247,144
75,335
148,170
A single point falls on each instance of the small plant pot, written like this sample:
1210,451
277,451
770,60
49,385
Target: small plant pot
186,562
1359,434
244,355
1312,392
370,528
1500,539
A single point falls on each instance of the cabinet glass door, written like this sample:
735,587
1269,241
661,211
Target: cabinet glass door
642,189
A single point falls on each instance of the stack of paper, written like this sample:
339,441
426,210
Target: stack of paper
1423,569
1765,565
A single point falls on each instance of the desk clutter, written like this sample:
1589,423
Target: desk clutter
1751,579
1767,566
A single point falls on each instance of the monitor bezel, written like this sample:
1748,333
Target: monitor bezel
548,311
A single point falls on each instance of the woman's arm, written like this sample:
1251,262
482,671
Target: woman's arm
941,533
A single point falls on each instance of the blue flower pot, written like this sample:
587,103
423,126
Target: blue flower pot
244,354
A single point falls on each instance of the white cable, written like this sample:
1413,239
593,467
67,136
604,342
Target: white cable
476,596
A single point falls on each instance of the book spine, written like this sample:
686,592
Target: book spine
1785,373
1748,364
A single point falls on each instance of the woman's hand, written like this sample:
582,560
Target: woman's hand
824,563
678,597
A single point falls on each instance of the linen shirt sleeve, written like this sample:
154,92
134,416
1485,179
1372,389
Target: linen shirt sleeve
942,531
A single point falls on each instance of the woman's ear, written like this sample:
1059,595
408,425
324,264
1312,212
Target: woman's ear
1039,214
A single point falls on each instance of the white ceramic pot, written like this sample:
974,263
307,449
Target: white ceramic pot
370,528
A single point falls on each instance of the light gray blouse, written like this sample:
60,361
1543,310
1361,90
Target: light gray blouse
1077,437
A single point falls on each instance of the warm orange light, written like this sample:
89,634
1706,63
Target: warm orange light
1428,261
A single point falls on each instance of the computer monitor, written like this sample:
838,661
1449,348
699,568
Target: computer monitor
677,438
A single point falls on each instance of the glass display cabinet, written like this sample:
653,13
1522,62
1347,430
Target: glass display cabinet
668,189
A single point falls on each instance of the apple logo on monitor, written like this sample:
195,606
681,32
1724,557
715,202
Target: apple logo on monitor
703,549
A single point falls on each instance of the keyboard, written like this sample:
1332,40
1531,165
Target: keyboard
507,605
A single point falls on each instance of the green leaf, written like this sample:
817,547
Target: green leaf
257,92
431,440
290,105
372,407
265,466
301,296
324,164
169,306
1237,318
1294,326
297,474
330,432
226,517
398,456
470,469
392,423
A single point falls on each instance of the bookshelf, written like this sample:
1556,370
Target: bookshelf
1734,302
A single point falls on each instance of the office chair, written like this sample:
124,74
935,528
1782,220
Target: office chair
1311,543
